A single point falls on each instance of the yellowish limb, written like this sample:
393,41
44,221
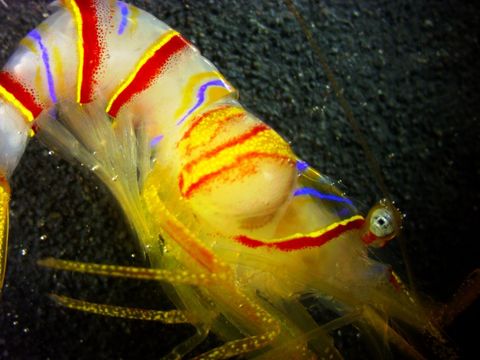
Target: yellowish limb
130,272
4,213
232,348
382,327
466,295
167,317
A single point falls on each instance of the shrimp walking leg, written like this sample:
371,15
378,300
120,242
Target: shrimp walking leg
382,327
232,348
188,345
167,317
131,272
466,295
239,347
4,212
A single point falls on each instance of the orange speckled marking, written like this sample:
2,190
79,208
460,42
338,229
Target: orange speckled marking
229,158
205,161
210,124
243,165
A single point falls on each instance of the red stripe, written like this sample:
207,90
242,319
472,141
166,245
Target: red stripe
148,72
21,93
199,119
209,177
93,48
301,242
233,142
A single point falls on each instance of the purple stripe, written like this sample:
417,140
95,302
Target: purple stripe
301,166
319,195
201,97
123,22
46,61
156,140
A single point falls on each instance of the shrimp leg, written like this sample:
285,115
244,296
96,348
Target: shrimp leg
382,327
241,346
466,295
4,212
231,348
130,272
167,317
188,345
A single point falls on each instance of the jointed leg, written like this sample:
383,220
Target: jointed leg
131,272
466,295
188,345
382,327
167,317
232,348
252,314
242,346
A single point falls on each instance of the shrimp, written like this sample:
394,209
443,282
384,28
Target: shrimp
270,298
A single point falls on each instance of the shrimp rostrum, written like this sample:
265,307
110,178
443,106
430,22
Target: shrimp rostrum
233,224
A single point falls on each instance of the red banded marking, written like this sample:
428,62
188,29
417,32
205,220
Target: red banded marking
215,121
304,241
151,64
239,140
238,163
90,48
19,96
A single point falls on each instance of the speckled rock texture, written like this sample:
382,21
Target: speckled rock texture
410,72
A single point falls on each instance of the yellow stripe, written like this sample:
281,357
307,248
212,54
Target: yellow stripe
133,18
58,66
16,103
38,81
29,44
317,233
79,22
146,56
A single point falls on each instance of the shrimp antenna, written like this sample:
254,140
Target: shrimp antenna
372,162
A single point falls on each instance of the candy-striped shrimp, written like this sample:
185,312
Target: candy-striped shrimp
257,286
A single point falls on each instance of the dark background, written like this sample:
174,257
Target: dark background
410,72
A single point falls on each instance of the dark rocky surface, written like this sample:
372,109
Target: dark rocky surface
410,72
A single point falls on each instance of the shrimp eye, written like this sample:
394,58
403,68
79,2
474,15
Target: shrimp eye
383,224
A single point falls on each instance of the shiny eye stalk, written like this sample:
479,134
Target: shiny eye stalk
381,222
384,222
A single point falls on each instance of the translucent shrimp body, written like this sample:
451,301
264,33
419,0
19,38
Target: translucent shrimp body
236,226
